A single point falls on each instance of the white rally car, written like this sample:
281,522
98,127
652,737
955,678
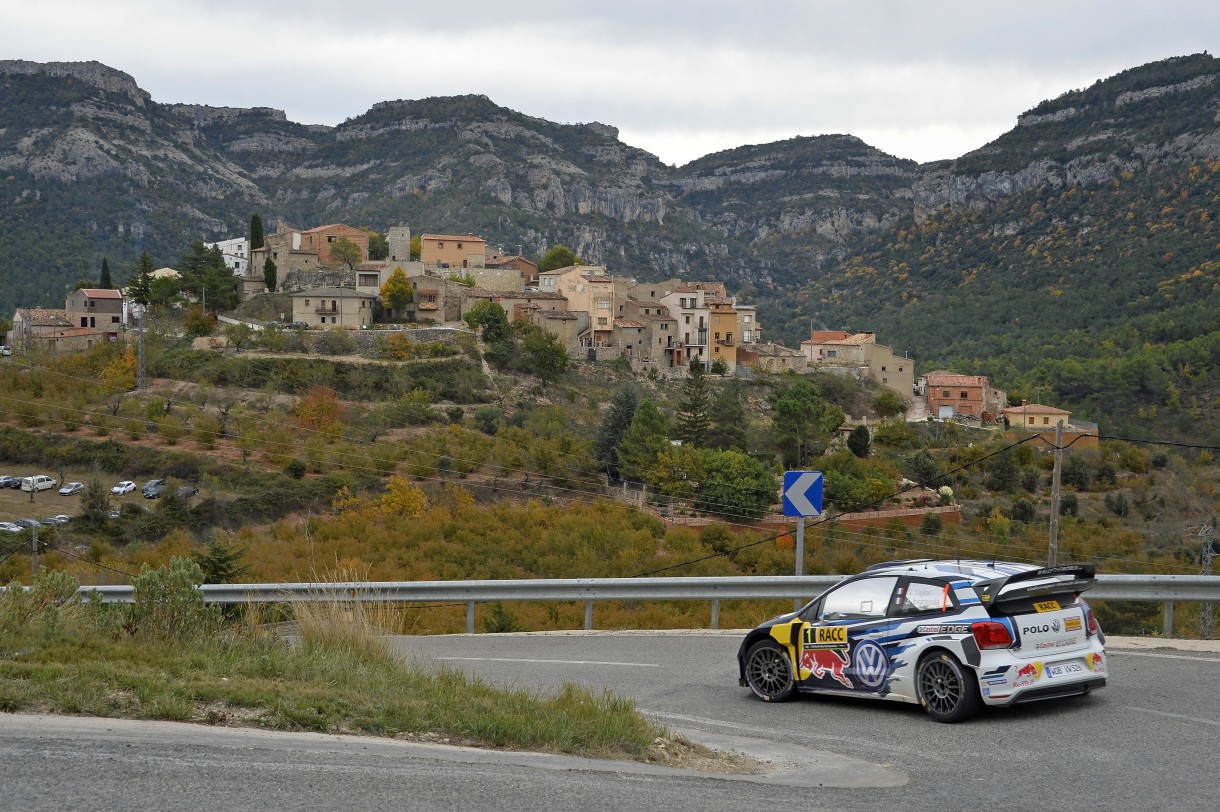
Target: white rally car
949,635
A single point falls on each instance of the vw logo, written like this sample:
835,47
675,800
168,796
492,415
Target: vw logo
1055,625
871,665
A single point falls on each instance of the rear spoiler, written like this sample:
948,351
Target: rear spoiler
1079,578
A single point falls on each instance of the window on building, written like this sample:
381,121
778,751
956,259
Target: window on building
900,369
114,319
459,246
1046,421
84,321
601,321
307,303
883,367
832,353
688,319
603,303
884,379
330,237
965,394
945,394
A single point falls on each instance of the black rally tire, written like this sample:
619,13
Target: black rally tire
769,671
948,691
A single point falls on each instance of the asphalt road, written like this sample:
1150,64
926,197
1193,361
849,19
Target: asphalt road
1150,740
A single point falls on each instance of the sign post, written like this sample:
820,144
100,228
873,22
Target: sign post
802,497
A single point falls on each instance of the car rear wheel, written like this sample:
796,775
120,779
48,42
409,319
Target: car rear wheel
769,671
947,690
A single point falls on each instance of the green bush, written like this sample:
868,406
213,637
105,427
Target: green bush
168,604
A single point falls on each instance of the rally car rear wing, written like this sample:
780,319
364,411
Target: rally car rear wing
1073,578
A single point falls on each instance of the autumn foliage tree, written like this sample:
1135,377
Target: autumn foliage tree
321,411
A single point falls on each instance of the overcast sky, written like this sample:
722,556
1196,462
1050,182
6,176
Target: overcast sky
919,79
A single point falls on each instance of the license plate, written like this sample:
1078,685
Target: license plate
1064,669
1046,606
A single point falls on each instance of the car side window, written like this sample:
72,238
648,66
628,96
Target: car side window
924,597
866,598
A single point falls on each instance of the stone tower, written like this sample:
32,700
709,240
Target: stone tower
399,239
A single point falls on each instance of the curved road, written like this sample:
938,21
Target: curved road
1150,740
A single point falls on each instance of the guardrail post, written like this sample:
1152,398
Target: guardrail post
588,616
715,614
1168,626
469,617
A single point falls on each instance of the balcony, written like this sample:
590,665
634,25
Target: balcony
326,311
725,342
426,306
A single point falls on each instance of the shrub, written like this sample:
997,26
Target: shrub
168,604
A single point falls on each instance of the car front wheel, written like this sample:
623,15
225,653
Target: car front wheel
769,671
947,690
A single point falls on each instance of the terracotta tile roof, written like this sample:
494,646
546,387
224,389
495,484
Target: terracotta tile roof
639,325
951,379
1033,408
333,292
451,237
822,336
855,340
330,227
101,293
562,315
44,317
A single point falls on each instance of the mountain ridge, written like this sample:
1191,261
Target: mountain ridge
815,229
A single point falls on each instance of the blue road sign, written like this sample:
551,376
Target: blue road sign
802,493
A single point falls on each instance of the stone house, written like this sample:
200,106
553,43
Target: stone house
772,358
452,251
950,395
588,289
564,325
525,268
346,308
1035,416
97,309
319,241
725,333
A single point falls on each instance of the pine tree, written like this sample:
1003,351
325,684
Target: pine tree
613,426
256,232
105,281
727,413
644,440
139,285
693,421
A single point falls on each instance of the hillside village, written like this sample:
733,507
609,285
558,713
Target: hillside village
659,328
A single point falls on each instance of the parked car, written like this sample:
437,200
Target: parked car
296,325
72,488
126,486
10,482
187,490
60,519
27,524
951,636
9,527
5,351
153,488
41,482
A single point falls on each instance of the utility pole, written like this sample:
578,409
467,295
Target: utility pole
139,309
1052,554
33,553
1209,552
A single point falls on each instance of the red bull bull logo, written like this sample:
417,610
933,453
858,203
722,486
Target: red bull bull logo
1027,674
1097,662
827,662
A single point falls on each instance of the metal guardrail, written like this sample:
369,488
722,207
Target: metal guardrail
1160,588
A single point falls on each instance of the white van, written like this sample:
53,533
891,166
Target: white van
41,482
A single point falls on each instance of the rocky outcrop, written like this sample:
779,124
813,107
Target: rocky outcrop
95,73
